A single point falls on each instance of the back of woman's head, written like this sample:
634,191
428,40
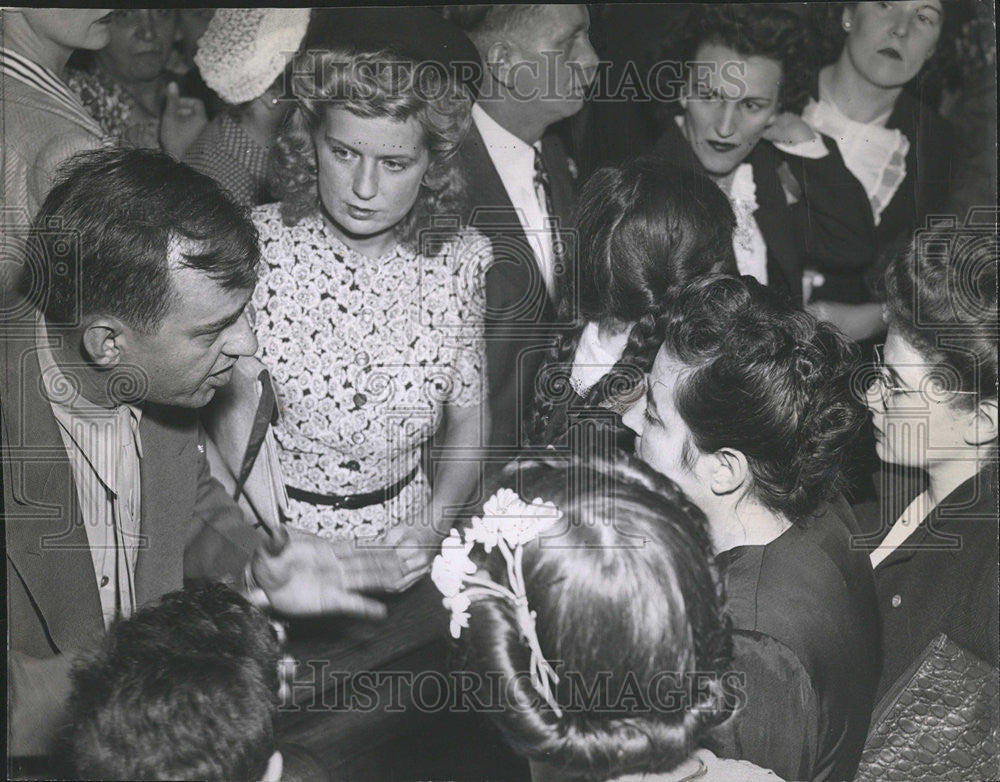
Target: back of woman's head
769,380
942,297
628,608
644,228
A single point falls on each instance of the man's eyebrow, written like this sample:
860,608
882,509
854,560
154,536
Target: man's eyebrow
218,325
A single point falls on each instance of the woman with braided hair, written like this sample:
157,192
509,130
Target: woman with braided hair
644,228
595,625
749,408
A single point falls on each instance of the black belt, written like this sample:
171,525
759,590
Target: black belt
352,501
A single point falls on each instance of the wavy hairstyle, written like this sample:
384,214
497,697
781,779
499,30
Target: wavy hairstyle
767,379
370,84
644,229
758,30
945,286
627,591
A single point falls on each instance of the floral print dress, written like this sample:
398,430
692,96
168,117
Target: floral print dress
365,353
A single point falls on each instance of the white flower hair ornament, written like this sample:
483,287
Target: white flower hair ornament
507,523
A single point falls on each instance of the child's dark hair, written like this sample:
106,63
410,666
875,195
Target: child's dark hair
644,229
185,689
624,589
768,379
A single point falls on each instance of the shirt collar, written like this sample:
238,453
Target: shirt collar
501,143
38,77
62,391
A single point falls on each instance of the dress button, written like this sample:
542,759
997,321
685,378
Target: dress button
896,601
105,581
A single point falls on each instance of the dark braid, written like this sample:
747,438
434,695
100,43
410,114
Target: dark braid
645,228
552,383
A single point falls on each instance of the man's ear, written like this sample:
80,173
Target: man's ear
982,427
728,471
102,341
275,767
498,62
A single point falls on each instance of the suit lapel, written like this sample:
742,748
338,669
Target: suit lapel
168,473
46,541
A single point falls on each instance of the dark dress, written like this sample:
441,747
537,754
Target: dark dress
811,212
924,191
945,576
805,633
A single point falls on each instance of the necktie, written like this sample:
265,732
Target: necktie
543,191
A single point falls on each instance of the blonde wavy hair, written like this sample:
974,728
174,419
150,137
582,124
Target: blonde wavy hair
375,84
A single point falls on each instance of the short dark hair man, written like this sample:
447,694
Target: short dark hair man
139,271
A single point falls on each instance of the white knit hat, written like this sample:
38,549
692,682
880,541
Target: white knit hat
243,49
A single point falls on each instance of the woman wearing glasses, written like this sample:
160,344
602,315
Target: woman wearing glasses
933,402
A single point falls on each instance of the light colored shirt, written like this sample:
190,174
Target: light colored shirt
595,357
104,452
514,160
904,527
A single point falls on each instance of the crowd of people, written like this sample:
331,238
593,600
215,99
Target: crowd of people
694,395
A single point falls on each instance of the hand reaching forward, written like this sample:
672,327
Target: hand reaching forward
311,576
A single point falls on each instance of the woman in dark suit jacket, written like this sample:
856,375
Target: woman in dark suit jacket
934,409
898,148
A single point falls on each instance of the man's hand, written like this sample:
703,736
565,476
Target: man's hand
789,128
182,121
311,576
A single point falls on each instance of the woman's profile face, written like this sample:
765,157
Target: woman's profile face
914,416
369,171
889,42
663,439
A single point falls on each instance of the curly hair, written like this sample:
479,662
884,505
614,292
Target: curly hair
942,297
758,30
628,590
371,84
767,379
185,689
644,229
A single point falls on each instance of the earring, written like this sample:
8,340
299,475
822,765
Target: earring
274,101
847,26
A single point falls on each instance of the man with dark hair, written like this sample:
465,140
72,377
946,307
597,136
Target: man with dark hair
132,317
185,689
539,64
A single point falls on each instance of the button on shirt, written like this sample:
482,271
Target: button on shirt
514,160
104,452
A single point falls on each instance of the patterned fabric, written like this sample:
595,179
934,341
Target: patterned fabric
748,242
227,153
117,112
364,354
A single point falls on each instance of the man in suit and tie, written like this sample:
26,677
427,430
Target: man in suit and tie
132,317
538,66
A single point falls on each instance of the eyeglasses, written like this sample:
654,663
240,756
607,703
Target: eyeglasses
881,383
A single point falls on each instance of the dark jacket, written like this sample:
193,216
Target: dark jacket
944,578
811,213
805,633
520,316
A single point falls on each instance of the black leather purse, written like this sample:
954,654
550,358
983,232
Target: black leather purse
939,721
